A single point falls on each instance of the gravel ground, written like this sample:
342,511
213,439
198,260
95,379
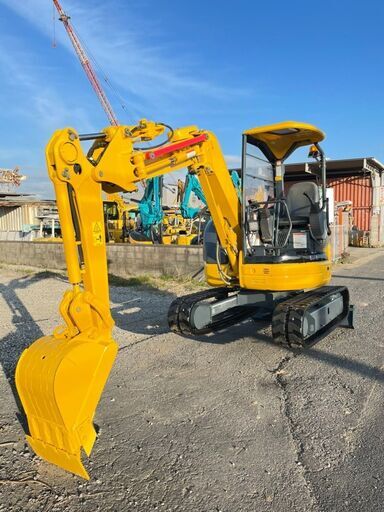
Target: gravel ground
227,423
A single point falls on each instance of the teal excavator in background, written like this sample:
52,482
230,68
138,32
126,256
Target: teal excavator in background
192,186
150,206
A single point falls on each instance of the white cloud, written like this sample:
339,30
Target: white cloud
148,74
157,82
33,109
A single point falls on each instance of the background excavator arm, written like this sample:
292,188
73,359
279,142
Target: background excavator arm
150,205
192,185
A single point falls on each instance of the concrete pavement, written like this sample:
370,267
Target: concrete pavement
227,422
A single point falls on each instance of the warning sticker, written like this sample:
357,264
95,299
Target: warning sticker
97,233
300,240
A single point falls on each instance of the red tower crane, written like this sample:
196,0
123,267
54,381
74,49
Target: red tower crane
85,62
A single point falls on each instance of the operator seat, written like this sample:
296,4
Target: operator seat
303,202
299,201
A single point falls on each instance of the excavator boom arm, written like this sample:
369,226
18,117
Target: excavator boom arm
72,365
120,166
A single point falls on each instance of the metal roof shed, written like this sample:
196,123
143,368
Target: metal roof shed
20,216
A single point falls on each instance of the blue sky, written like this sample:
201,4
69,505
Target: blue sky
225,66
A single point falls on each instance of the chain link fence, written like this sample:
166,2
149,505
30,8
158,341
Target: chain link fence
339,241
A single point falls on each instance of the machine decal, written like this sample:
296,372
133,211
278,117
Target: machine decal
97,233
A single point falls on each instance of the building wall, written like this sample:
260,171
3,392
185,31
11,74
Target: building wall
359,191
15,222
367,196
381,210
123,259
22,222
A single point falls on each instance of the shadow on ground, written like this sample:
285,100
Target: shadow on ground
133,322
26,331
134,309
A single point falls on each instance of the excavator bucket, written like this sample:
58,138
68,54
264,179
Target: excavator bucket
60,381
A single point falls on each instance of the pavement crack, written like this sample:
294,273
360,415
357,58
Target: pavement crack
142,340
281,366
8,443
279,375
25,480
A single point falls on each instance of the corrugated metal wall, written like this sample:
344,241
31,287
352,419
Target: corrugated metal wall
14,218
359,191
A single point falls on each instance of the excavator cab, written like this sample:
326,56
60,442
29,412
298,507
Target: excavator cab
282,224
284,266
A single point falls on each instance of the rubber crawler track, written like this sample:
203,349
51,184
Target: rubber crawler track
180,312
288,316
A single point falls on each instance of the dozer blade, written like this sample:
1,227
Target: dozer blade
60,381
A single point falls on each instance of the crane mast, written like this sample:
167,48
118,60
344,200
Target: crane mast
86,64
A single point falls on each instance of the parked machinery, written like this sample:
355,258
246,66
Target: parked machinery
158,223
119,218
261,253
191,186
198,215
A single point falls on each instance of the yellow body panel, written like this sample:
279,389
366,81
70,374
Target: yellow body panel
276,277
167,239
185,239
139,242
212,275
284,276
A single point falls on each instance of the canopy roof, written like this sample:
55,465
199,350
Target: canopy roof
278,141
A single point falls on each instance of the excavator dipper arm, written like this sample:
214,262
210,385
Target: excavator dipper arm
60,377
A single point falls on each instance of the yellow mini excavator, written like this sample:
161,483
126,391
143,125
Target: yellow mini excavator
119,218
266,254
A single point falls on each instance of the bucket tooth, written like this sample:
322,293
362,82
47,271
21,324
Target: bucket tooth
65,460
